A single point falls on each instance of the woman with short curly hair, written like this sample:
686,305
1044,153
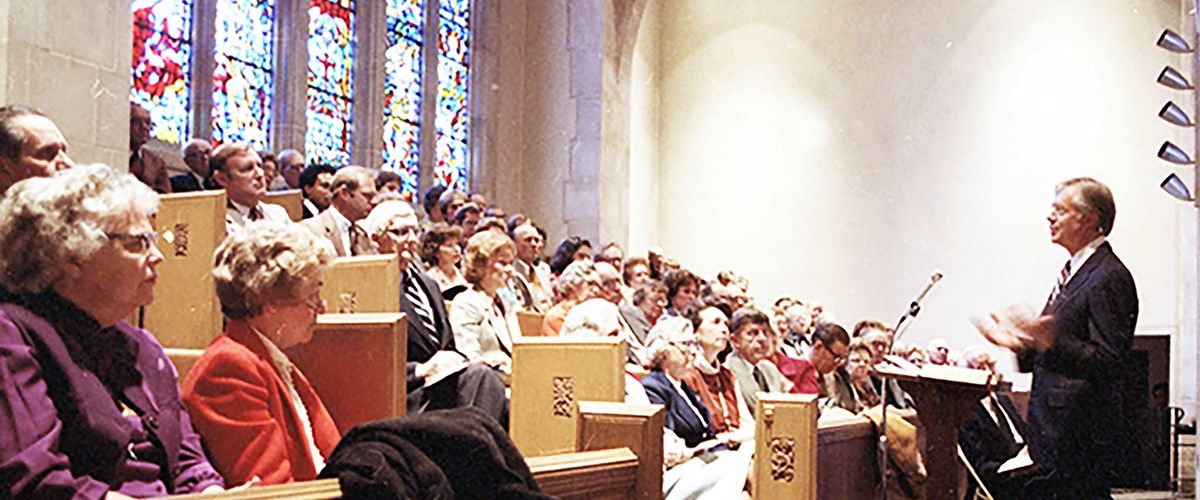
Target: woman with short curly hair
89,405
259,415
441,250
483,326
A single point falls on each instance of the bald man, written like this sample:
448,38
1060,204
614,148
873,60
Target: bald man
143,164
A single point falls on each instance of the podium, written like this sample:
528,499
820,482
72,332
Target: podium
943,396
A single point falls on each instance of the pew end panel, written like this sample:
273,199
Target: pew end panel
366,284
318,489
549,374
785,446
291,200
185,312
602,474
357,363
530,323
619,425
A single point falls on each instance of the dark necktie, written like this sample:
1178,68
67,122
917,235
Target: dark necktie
1062,281
420,302
357,235
1002,422
760,379
256,213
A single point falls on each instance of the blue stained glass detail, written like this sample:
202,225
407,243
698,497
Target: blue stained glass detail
244,71
162,57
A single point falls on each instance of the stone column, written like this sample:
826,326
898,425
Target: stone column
71,60
288,118
370,66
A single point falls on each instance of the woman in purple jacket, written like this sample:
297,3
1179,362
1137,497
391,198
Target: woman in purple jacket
89,405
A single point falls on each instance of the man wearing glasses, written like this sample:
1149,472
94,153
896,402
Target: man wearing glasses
831,346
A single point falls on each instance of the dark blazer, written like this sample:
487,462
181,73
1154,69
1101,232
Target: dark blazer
185,183
61,435
987,449
1074,405
680,419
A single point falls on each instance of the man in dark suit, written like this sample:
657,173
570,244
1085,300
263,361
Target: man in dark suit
1075,348
196,154
994,433
315,184
438,375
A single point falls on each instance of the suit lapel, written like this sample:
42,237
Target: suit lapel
1083,276
333,233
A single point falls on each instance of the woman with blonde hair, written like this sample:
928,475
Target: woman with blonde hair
258,413
483,327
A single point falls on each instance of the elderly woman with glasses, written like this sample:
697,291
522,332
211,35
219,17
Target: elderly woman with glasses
258,413
89,405
699,463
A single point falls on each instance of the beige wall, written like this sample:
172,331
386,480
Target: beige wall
841,151
70,59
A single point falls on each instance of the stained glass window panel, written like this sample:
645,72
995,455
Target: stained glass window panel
330,81
243,73
402,92
453,94
162,52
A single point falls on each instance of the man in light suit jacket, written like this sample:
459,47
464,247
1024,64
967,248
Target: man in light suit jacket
238,169
749,362
431,349
1076,347
353,197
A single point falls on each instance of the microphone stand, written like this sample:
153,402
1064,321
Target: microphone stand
902,324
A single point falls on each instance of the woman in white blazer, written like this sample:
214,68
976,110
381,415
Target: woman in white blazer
483,328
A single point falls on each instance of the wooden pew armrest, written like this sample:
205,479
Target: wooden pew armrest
319,489
586,474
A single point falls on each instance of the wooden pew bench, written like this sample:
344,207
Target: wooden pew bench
619,454
186,313
291,200
319,489
367,284
530,323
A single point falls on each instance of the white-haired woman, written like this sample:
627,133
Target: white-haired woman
577,283
699,462
89,405
483,326
259,415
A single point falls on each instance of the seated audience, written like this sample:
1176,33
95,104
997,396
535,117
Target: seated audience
353,191
387,181
316,184
466,217
939,352
599,318
716,385
610,290
636,272
977,358
478,199
577,283
699,463
291,164
879,338
448,202
196,155
270,166
644,309
238,170
993,433
429,202
570,250
441,250
849,387
750,360
916,355
259,415
89,405
799,329
613,254
143,163
30,146
682,288
531,282
491,224
828,352
483,327
432,355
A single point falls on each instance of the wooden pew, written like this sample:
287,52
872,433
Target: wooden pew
357,364
785,446
183,359
319,489
636,427
530,323
367,284
185,312
549,374
291,200
847,449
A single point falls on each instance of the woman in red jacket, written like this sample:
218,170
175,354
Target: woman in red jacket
258,414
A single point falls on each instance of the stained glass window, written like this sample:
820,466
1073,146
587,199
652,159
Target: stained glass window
402,92
453,78
330,81
162,54
243,71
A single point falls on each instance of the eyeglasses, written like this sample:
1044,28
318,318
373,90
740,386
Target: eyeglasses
685,346
134,243
403,231
837,358
314,302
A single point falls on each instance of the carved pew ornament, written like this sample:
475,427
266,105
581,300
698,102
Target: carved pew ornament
367,284
785,446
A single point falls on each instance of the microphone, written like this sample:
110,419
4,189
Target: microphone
915,307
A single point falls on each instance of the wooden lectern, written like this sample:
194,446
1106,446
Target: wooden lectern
943,396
